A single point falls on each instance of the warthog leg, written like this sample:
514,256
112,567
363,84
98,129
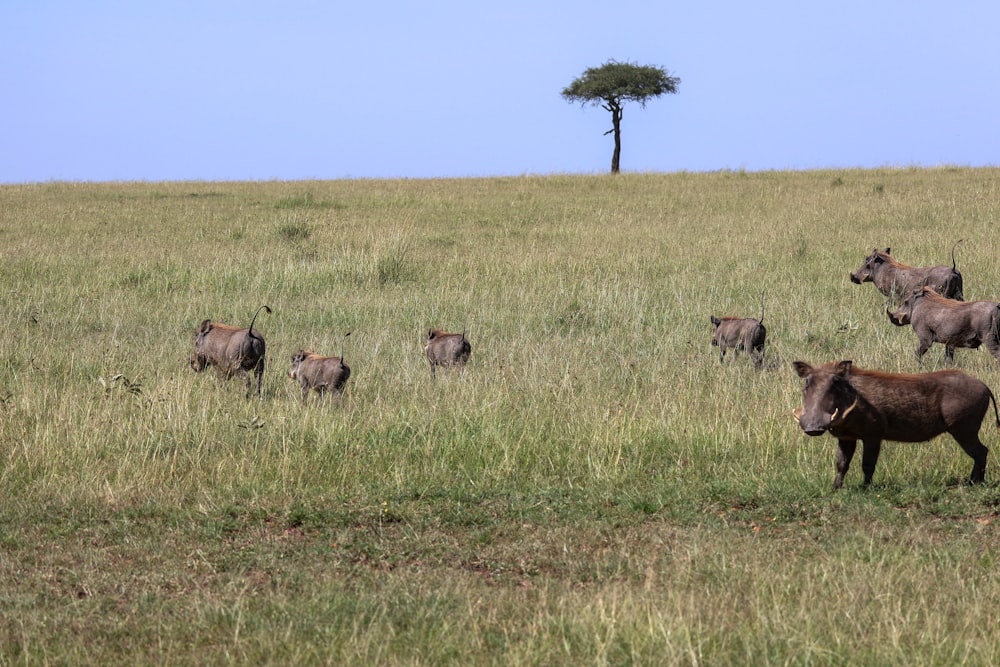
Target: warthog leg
869,458
845,452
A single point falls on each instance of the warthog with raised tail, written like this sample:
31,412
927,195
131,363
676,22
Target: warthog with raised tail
740,333
446,349
853,404
231,350
320,374
936,319
895,279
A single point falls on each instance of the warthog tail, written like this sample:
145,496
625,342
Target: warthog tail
995,413
264,308
342,342
953,253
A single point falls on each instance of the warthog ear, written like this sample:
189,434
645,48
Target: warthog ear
844,368
715,320
430,334
887,251
802,368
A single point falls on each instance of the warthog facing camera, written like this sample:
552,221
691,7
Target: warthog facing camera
320,374
936,319
895,279
231,350
853,404
446,349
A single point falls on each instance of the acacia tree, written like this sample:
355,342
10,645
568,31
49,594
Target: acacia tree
612,85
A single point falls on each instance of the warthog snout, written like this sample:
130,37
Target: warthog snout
817,422
198,363
901,317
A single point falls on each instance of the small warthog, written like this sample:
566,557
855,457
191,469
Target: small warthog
231,350
321,374
895,279
740,333
446,349
854,404
936,319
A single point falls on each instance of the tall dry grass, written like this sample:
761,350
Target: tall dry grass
596,486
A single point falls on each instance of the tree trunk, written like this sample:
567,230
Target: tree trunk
616,120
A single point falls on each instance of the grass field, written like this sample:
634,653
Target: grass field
595,488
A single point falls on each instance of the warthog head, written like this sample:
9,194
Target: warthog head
827,397
199,360
297,360
903,315
866,271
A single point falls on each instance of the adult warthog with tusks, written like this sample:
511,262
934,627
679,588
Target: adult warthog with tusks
320,374
854,404
231,350
446,349
895,279
936,319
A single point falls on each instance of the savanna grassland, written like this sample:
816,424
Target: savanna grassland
596,488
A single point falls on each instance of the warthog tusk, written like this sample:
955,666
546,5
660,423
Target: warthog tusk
796,413
833,417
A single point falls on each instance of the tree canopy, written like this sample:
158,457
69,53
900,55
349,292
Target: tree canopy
612,85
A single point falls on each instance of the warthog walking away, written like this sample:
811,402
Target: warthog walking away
231,350
320,374
740,333
446,349
936,319
854,404
895,279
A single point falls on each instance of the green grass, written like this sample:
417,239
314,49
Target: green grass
596,487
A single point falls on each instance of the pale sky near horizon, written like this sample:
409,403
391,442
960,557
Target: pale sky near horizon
250,90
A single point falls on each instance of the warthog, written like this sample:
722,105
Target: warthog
740,333
320,374
895,279
446,349
231,350
854,404
936,319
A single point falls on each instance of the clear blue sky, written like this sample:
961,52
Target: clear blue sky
249,90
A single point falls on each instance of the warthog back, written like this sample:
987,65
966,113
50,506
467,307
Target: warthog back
318,373
447,349
231,350
952,323
739,334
